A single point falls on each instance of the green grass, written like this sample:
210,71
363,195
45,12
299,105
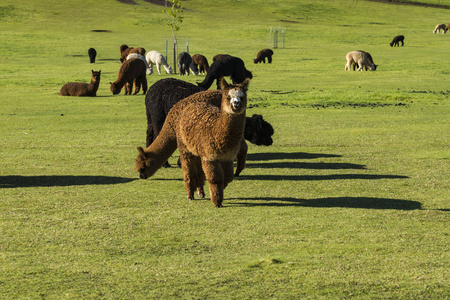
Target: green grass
351,200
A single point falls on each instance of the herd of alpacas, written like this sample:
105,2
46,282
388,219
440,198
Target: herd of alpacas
208,127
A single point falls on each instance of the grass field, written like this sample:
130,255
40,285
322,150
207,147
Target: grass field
351,200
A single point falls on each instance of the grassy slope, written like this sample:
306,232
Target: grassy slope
330,210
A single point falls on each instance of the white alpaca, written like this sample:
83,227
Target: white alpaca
439,27
136,55
361,58
156,58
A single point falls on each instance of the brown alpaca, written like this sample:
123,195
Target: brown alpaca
262,54
201,62
208,138
81,89
131,70
125,50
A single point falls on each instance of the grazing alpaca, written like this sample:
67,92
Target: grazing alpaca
261,56
156,58
447,27
131,70
397,40
360,58
141,57
165,93
226,66
440,27
185,63
201,62
208,138
92,54
81,89
125,50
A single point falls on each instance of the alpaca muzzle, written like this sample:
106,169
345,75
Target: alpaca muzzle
236,103
142,175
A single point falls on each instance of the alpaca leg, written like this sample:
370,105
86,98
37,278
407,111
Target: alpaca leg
269,59
214,174
241,158
228,176
158,67
144,84
189,173
137,86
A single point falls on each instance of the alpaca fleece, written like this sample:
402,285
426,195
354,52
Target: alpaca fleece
207,137
226,66
262,55
125,51
132,70
201,62
81,89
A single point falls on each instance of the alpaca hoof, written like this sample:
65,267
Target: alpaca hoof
236,174
219,205
166,165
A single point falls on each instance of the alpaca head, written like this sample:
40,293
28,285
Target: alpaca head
96,75
142,164
115,89
234,97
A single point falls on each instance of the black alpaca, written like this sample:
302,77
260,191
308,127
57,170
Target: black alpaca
227,66
165,93
92,54
397,40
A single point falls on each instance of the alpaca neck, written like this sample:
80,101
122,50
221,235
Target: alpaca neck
93,86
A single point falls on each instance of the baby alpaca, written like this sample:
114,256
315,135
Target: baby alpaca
261,56
81,89
131,70
397,40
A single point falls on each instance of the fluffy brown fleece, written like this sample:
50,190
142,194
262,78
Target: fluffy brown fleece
262,55
208,139
131,70
81,89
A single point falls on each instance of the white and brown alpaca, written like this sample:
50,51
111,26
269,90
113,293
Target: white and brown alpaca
360,58
81,89
440,27
208,138
156,58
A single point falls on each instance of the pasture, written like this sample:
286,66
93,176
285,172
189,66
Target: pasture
351,200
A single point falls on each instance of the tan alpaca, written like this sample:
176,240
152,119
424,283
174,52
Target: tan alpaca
361,59
440,27
209,139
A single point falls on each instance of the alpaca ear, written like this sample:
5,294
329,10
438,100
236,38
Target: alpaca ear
245,84
141,151
223,83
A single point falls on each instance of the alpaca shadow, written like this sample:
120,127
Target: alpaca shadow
320,177
306,165
343,202
285,155
63,180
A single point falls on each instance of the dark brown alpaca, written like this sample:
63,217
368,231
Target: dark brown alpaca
201,62
81,89
208,139
262,55
132,70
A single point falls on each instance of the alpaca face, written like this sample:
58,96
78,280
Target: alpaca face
236,97
141,164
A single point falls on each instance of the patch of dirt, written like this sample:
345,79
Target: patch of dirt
400,2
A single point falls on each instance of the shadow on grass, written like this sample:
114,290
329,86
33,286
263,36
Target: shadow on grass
285,155
14,181
345,202
319,177
305,165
